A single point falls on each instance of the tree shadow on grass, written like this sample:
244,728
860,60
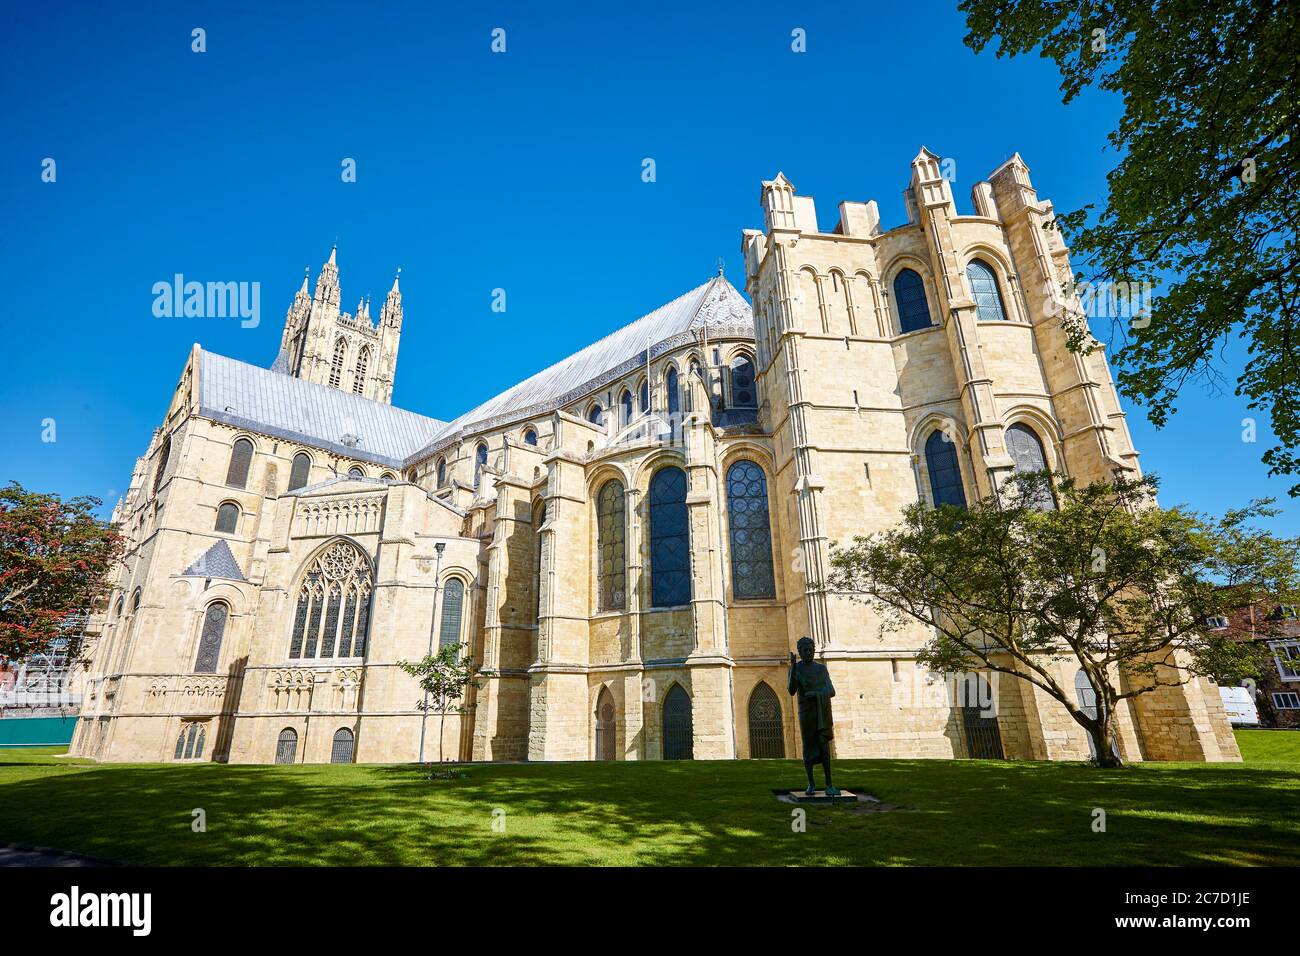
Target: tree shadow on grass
657,813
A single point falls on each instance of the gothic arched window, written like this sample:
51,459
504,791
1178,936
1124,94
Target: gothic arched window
359,373
453,601
214,630
539,516
164,453
241,457
480,459
1026,450
341,750
333,609
300,471
909,300
336,367
606,725
984,289
356,472
442,472
945,474
189,745
286,748
625,409
751,532
679,731
227,517
766,733
670,387
644,397
530,437
743,392
670,544
611,535
596,414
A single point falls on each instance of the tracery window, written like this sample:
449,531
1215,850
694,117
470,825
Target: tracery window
333,609
480,459
743,393
909,300
670,544
611,534
751,532
189,745
336,367
214,630
359,374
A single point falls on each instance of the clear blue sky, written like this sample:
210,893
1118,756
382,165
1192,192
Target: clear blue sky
474,171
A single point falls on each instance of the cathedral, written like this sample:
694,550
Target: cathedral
627,545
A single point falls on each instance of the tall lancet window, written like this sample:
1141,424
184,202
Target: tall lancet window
751,532
670,387
670,541
611,534
333,610
336,367
359,374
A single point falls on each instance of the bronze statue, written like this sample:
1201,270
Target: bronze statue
812,682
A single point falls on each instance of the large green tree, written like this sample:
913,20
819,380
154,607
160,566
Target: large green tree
1204,200
54,559
1095,573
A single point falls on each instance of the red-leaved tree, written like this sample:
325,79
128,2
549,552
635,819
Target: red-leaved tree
54,561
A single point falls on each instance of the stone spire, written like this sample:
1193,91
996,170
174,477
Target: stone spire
327,283
391,313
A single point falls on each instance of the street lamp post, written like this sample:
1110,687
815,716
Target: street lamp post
437,577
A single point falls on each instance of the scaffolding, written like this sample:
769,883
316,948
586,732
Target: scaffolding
44,681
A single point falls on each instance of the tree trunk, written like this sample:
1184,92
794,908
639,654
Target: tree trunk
1102,742
442,725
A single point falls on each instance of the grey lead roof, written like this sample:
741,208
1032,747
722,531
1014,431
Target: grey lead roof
716,305
272,402
282,406
216,562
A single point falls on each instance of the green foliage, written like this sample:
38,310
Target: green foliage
444,676
1206,193
1106,577
54,559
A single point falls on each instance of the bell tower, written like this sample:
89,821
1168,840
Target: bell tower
346,351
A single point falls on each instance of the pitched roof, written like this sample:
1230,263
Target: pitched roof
282,406
216,562
716,305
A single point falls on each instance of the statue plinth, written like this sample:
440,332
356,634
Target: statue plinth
821,797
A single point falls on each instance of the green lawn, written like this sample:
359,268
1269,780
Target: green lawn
702,813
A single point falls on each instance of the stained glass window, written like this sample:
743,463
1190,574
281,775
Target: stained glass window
335,592
241,456
611,532
984,289
228,518
670,386
442,472
300,471
530,437
751,532
480,459
453,599
945,474
1027,451
909,300
625,415
743,393
670,546
644,397
596,415
214,629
